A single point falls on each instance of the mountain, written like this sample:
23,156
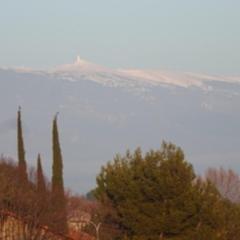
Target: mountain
104,111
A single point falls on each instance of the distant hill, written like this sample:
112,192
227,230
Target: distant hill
104,111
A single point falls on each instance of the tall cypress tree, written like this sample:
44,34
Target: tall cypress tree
44,215
58,197
41,185
22,166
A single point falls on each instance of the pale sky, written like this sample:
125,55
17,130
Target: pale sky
185,35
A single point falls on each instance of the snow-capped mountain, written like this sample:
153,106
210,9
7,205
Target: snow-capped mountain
135,77
104,111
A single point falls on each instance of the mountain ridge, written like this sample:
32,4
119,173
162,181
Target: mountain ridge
129,77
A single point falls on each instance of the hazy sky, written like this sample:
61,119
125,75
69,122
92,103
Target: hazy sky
187,35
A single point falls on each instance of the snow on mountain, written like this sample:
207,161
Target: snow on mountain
161,77
135,77
82,69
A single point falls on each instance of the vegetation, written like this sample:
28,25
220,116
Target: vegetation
41,185
138,196
227,183
30,197
22,202
159,195
21,151
58,197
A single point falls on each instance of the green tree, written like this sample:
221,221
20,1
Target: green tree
58,196
22,166
41,185
158,195
42,195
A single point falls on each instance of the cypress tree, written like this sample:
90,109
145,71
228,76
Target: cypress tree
22,166
57,168
58,197
41,185
44,215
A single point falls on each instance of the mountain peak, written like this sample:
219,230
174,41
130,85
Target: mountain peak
79,65
79,61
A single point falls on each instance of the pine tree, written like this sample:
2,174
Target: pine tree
41,185
157,195
22,166
58,197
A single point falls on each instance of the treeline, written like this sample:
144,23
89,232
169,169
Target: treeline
28,194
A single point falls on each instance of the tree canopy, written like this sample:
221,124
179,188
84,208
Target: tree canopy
158,194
